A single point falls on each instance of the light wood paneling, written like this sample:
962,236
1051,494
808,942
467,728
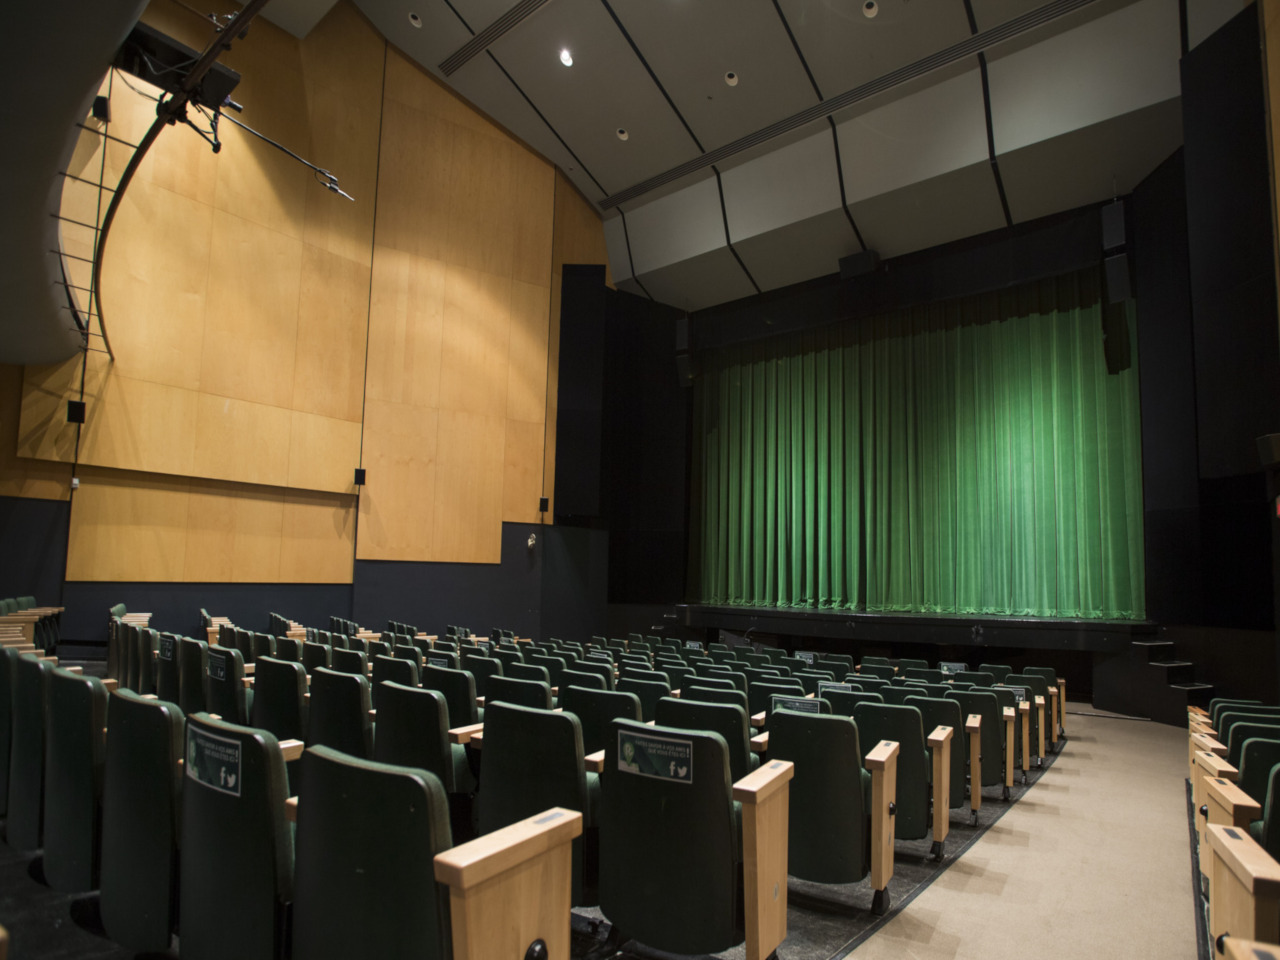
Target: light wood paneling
482,195
468,489
527,353
20,476
233,535
318,537
136,423
333,322
127,526
532,218
409,85
398,505
323,452
522,472
405,326
241,440
414,179
474,342
43,431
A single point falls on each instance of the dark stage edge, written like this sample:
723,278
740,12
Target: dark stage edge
852,629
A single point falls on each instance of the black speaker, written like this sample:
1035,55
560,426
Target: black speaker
1113,225
859,264
75,411
359,476
1117,275
682,333
684,369
543,504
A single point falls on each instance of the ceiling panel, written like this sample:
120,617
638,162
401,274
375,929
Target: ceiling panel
845,48
615,241
992,13
794,183
478,13
701,281
685,224
799,251
932,131
958,204
691,46
1101,69
606,88
440,34
1092,164
1206,16
298,17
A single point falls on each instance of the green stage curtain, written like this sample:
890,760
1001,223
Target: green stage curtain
966,457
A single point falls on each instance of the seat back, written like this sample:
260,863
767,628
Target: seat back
168,682
140,817
1035,687
193,665
289,648
338,716
357,894
579,678
128,655
1246,729
943,711
669,850
262,645
234,839
978,678
74,758
1049,674
24,826
760,693
413,731
316,655
910,663
527,671
649,692
843,701
1257,756
145,643
350,661
716,695
905,726
600,668
829,833
596,710
883,671
279,698
395,669
991,737
927,674
997,670
459,689
224,692
728,720
524,693
482,668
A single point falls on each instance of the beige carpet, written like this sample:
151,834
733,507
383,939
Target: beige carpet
1093,862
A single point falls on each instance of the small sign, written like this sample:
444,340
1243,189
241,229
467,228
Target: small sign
950,667
825,685
796,704
483,645
662,758
600,655
438,662
217,666
808,656
1019,693
166,648
693,644
213,761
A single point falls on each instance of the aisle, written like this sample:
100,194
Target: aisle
1093,862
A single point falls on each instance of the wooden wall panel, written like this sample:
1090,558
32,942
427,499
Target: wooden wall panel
522,472
333,322
242,440
43,431
127,526
317,541
323,452
148,425
406,317
397,505
482,194
474,339
527,353
468,491
20,476
532,218
233,534
414,179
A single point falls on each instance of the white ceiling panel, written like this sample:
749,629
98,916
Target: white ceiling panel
1090,165
298,17
992,13
958,204
693,45
935,130
1204,17
798,251
794,183
701,281
1102,69
684,224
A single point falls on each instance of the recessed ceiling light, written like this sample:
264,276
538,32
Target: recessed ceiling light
870,8
731,78
622,134
415,20
566,57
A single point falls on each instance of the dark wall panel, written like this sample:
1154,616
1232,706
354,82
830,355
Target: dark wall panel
175,607
575,582
33,548
476,595
579,404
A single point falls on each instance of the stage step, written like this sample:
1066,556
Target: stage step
1155,684
1175,671
1155,651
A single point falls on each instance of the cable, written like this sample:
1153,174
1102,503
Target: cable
142,93
327,179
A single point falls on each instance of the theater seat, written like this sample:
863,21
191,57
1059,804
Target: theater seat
24,825
192,667
74,758
224,692
140,820
728,720
1257,756
338,715
941,712
1267,830
524,693
459,690
237,850
991,752
649,692
482,668
696,691
279,698
596,710
395,669
358,892
997,670
413,731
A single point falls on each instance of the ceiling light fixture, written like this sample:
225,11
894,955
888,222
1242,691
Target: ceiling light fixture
622,134
415,20
731,78
870,9
566,57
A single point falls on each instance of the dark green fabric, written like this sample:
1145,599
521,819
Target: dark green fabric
1257,757
1006,698
224,692
1247,729
74,758
596,710
395,669
192,668
24,826
997,670
524,693
167,681
904,726
357,893
971,457
279,701
338,714
649,692
991,737
728,720
935,711
140,818
482,668
459,689
1267,830
715,695
413,731
760,694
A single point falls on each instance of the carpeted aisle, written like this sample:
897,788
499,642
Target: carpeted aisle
1091,862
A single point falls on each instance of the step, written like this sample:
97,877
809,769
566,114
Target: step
1175,671
1152,650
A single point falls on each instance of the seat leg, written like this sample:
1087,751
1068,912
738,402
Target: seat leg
880,902
938,850
610,948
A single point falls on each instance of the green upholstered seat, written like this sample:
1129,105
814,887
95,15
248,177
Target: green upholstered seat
379,648
508,655
1243,729
524,693
1035,687
712,680
670,849
140,816
897,693
236,869
357,893
193,664
596,710
1257,756
279,698
945,712
1007,698
580,678
224,692
534,760
167,668
910,663
289,648
883,671
413,731
115,633
74,758
649,692
395,669
119,610
528,671
25,821
991,755
145,643
839,663
904,726
316,655
979,678
459,689
728,720
696,691
261,645
997,670
1267,830
407,651
350,661
926,674
338,715
760,693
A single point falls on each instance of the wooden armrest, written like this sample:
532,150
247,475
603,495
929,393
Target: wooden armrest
1207,743
465,733
973,723
758,719
249,669
1039,700
1216,766
1238,948
1244,857
1198,711
1024,707
111,684
469,865
881,754
594,762
760,784
291,749
291,809
1229,804
1008,713
479,701
78,671
150,696
760,742
555,691
247,682
373,715
940,735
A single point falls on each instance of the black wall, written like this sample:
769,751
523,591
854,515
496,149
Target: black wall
33,548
